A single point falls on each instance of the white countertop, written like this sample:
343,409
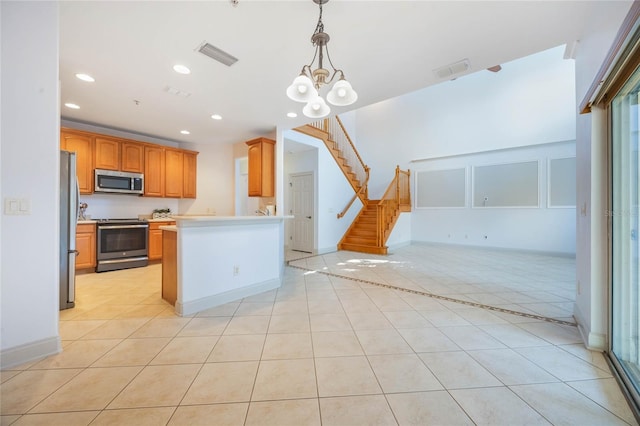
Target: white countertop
199,221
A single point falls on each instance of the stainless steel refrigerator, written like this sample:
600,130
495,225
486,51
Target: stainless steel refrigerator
69,205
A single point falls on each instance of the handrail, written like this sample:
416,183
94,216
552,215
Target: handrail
353,147
397,195
363,188
338,135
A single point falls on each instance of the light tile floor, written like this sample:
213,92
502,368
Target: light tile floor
537,284
320,350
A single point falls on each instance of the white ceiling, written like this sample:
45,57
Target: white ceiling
386,49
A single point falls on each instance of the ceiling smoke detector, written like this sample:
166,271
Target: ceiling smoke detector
217,54
451,70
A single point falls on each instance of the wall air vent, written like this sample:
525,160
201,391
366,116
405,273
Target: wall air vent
451,70
217,54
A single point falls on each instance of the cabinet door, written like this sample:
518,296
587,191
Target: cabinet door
255,170
155,244
261,167
132,157
174,173
190,175
82,145
153,172
268,165
107,154
86,246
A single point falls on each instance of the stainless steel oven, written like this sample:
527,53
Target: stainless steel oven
121,244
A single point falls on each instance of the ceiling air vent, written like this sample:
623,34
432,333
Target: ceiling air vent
217,54
451,70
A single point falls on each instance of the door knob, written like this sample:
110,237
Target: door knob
308,217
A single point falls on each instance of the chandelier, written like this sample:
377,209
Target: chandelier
306,86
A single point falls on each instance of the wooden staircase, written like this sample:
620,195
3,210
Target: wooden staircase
371,228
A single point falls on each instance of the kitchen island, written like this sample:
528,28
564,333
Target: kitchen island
212,260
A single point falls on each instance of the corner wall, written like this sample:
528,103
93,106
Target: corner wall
30,169
591,305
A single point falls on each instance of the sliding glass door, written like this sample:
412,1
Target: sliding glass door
625,242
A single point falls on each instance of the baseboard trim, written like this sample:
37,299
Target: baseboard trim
398,245
517,250
592,341
326,250
195,306
30,352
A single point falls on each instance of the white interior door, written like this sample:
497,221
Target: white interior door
302,200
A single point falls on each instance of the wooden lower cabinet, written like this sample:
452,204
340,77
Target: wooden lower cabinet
86,246
155,239
170,266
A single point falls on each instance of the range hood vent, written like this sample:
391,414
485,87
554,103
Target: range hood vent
217,54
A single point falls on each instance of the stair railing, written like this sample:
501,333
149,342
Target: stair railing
396,198
358,194
337,133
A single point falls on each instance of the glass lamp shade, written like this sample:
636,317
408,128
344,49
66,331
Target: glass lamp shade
316,108
342,94
302,89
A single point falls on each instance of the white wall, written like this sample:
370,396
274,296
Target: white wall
542,228
30,169
333,192
531,101
591,308
215,181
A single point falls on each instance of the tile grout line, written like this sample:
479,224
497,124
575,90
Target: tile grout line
439,297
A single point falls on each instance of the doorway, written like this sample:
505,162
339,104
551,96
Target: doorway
302,198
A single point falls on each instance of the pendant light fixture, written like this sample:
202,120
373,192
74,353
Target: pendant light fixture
306,86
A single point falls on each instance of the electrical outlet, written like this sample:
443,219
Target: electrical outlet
236,270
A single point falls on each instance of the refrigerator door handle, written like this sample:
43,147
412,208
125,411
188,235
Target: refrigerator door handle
71,291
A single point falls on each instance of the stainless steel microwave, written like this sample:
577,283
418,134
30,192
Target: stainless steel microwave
119,182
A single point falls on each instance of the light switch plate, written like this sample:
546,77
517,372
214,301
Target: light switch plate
17,206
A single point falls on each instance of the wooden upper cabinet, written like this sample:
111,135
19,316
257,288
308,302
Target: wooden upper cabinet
261,167
168,172
174,169
132,157
107,153
82,145
154,171
190,174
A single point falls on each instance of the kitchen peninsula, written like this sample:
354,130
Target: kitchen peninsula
212,260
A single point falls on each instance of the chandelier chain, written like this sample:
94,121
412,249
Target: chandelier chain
319,25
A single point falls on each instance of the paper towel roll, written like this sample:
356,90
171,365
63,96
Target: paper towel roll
271,210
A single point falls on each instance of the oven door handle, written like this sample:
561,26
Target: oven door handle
122,226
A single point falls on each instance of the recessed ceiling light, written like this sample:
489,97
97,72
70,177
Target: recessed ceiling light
216,117
292,115
185,132
72,106
85,77
181,69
